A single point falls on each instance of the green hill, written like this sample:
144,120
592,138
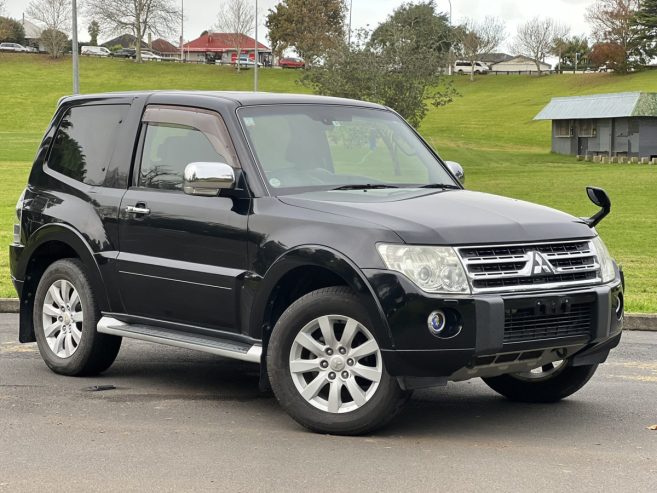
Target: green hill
489,129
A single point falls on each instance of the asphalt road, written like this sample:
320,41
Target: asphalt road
185,421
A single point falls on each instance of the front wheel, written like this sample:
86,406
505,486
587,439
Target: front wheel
326,368
549,383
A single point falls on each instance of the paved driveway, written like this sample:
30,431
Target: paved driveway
185,421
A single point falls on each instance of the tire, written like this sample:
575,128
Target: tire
557,384
337,308
76,349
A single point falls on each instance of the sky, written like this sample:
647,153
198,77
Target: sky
201,14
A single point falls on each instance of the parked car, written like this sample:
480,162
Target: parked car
13,47
95,51
291,62
464,67
150,56
288,232
124,53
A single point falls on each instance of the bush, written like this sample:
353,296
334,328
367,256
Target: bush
11,31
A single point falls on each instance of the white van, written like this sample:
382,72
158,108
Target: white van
95,51
463,67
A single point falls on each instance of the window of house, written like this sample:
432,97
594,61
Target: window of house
587,128
563,128
84,142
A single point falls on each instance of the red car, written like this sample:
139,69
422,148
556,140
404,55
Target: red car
291,63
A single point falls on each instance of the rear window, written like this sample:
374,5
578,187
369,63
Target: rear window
84,142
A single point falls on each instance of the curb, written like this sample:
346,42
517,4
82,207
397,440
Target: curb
633,321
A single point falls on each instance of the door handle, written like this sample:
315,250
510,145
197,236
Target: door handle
137,209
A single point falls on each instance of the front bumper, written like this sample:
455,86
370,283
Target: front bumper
489,342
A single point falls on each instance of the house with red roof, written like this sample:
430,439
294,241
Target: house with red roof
222,47
165,49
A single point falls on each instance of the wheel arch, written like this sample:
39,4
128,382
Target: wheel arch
48,244
305,269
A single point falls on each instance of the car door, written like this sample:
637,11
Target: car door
181,255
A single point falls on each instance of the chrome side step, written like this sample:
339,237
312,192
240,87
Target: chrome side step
149,333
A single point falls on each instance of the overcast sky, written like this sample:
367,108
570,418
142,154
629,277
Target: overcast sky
201,14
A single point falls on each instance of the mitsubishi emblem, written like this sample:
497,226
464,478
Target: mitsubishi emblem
540,264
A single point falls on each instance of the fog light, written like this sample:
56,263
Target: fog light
437,322
620,307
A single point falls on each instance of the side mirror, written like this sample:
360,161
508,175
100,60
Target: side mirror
457,170
600,198
207,179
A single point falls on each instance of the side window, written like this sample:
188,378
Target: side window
84,142
174,138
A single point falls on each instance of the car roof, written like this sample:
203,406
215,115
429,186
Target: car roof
241,98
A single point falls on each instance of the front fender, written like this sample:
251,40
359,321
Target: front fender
329,259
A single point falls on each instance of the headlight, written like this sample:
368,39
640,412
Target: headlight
607,271
432,269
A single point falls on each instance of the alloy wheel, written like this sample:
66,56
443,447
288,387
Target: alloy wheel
62,318
335,364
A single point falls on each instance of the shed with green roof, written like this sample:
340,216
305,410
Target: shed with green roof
621,124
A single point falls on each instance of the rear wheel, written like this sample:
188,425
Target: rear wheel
549,383
326,368
65,317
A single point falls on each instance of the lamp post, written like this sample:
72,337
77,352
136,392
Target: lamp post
255,56
449,69
74,46
351,4
182,30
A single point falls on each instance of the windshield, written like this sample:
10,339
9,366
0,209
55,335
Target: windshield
303,147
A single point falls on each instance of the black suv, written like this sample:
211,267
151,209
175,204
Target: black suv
321,238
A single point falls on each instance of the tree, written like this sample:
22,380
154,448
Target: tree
94,31
55,16
477,39
614,23
2,6
572,51
610,55
422,26
159,17
392,74
237,20
311,27
646,20
11,31
537,38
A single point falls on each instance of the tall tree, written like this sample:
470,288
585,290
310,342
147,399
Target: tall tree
55,16
237,20
311,27
646,19
94,31
159,17
614,23
572,51
477,39
537,38
420,25
2,7
11,31
393,74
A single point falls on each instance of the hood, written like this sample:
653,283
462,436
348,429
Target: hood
451,217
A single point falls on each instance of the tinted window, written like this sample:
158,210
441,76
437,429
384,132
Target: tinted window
168,149
84,142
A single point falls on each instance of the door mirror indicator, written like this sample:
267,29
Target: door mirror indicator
208,179
457,170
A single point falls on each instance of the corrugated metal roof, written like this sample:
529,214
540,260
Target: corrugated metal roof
618,105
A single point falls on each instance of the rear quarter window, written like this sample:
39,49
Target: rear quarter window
85,140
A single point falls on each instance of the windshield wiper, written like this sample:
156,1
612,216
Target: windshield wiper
367,186
447,186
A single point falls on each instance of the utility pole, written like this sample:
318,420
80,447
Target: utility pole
351,4
74,39
182,30
255,57
451,41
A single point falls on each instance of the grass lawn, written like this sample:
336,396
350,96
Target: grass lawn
488,129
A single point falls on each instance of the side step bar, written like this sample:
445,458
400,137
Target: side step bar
149,333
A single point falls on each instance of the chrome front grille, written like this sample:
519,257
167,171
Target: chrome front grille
524,267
